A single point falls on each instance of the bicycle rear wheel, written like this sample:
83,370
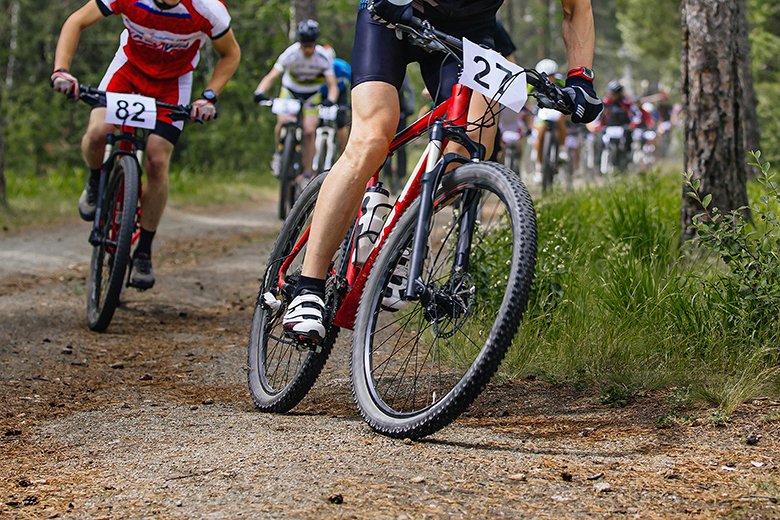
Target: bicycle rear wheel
415,369
110,258
287,174
280,373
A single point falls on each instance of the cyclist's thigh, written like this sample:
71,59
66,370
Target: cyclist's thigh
97,126
284,118
377,55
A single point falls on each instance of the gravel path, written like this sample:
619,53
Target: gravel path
152,419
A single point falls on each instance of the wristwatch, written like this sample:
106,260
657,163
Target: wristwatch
209,95
583,72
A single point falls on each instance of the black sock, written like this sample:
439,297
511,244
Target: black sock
310,285
145,242
94,177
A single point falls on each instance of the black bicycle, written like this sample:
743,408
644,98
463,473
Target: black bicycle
118,214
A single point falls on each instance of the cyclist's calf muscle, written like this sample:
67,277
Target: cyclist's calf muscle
93,143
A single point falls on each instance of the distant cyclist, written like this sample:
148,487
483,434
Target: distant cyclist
304,67
619,110
548,115
158,51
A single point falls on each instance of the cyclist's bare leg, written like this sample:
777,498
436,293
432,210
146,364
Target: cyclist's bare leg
93,144
487,136
541,129
281,119
309,128
561,129
342,136
155,192
375,113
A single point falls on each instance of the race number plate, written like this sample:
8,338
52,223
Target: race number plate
131,110
329,113
286,106
487,72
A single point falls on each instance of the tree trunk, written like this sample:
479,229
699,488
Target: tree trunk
712,62
302,10
3,195
543,34
752,129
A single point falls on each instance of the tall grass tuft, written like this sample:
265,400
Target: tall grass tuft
618,305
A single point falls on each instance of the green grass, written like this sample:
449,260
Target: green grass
619,306
41,200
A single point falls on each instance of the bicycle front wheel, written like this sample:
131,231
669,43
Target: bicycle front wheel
280,372
417,365
111,256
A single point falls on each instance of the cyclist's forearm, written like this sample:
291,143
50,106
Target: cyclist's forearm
229,58
88,15
333,92
578,32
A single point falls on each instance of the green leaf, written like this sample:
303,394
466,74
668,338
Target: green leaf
707,200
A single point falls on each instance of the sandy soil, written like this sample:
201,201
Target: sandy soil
153,420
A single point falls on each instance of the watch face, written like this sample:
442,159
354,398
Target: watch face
209,95
587,73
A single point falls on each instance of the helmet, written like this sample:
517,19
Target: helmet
308,31
615,87
547,66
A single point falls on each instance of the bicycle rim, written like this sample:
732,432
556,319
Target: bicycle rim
417,368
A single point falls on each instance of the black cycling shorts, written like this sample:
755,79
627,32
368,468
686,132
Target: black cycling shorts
378,55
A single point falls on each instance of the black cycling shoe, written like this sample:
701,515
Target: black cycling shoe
88,202
143,276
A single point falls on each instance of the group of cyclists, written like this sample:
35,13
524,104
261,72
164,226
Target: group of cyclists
159,48
640,130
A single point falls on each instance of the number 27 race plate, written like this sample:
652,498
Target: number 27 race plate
487,72
131,110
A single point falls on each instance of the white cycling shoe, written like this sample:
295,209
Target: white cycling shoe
392,299
304,318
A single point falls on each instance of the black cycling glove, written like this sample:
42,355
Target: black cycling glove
259,97
391,12
327,102
587,105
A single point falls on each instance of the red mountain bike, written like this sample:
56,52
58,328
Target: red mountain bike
118,215
436,303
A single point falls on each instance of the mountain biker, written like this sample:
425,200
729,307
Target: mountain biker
619,110
547,115
379,61
343,72
304,66
157,53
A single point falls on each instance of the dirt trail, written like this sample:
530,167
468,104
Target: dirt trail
152,419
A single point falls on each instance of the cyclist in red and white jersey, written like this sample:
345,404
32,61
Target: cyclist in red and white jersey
158,51
305,67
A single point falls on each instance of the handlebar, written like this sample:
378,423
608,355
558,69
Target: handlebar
304,104
423,34
96,98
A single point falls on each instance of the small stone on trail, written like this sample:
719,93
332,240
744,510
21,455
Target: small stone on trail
208,401
117,366
521,477
566,476
67,350
417,480
756,464
23,482
602,487
336,499
596,476
752,439
80,363
146,377
408,442
194,407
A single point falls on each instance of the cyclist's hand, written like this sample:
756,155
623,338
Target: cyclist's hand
390,13
587,105
327,102
203,110
62,81
259,97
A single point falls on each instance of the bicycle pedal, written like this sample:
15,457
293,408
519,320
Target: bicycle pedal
303,343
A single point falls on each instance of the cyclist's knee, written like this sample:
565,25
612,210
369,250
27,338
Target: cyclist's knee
157,167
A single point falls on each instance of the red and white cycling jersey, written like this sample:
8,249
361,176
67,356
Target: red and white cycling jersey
161,41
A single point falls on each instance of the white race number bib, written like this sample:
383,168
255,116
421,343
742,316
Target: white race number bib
286,106
131,110
487,72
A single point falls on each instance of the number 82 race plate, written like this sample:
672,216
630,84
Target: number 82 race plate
131,110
